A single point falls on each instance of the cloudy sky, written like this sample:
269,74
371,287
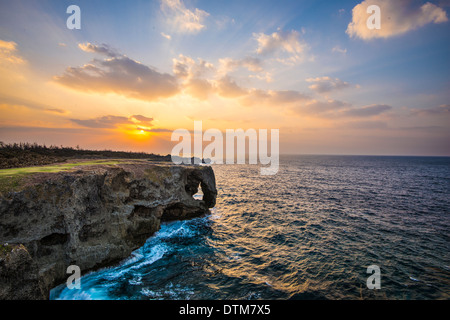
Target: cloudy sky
137,70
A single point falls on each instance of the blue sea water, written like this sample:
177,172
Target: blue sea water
309,232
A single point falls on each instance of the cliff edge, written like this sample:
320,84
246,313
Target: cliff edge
92,216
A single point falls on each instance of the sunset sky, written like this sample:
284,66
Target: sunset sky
137,70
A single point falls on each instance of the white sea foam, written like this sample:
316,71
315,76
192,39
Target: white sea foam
170,291
139,260
135,281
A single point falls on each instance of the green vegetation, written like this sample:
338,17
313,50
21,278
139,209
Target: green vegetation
13,179
56,168
15,155
10,183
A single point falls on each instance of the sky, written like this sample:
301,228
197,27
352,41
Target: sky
137,70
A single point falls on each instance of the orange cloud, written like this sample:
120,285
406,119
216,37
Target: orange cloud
111,121
8,53
228,88
441,110
100,49
15,101
199,88
118,74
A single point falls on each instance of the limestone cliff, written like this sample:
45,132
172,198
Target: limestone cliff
91,217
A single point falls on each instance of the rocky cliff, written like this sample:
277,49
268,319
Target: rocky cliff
91,217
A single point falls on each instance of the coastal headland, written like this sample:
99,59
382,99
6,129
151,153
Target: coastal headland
88,213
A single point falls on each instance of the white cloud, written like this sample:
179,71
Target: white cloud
167,36
224,21
181,66
266,76
193,76
182,19
339,50
252,64
274,98
335,109
327,84
397,17
187,68
196,83
366,111
287,42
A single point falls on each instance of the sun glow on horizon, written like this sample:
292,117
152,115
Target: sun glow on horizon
99,88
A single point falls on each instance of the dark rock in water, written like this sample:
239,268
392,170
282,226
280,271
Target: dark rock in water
91,218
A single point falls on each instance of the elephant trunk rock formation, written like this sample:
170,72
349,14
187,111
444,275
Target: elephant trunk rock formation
91,218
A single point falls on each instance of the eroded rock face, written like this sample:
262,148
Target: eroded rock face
19,274
92,218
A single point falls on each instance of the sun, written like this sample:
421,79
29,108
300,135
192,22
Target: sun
136,134
140,131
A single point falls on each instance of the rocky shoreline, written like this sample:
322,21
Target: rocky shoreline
91,217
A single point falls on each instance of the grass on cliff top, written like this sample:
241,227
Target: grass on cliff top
12,179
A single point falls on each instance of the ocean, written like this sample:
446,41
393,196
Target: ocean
308,232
